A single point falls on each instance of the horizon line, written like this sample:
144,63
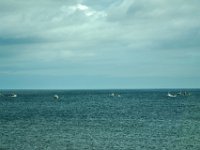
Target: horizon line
101,89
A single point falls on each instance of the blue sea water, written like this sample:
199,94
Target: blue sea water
95,120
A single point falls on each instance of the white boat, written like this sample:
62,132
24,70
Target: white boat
13,95
56,96
171,95
113,94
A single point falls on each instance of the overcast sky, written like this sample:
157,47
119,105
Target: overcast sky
101,44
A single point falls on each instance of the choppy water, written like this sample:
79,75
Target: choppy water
93,119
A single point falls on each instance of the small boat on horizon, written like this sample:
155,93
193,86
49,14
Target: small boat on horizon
171,95
13,95
184,93
113,94
56,96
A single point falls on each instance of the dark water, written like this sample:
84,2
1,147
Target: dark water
89,119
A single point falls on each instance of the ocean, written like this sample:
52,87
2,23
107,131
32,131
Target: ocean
99,120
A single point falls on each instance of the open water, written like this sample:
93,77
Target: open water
96,120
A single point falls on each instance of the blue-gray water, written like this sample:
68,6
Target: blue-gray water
93,119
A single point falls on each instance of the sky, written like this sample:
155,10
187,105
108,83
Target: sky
102,44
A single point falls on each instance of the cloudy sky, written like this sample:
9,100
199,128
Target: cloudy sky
101,44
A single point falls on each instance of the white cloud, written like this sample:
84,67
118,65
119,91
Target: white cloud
86,10
125,33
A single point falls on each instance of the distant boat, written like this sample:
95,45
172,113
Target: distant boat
56,96
13,95
171,95
180,93
113,94
184,93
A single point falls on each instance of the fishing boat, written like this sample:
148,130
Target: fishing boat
113,94
13,95
171,95
56,96
184,93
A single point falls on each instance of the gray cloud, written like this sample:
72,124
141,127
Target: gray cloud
120,38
